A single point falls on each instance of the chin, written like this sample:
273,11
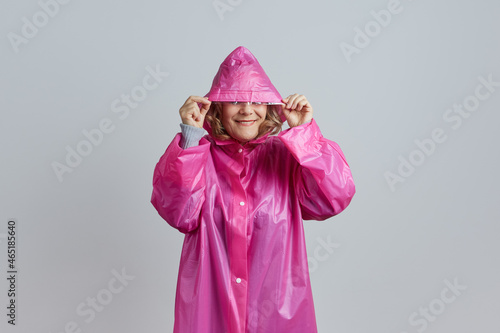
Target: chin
245,138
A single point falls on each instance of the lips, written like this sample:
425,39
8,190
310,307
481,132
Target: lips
246,122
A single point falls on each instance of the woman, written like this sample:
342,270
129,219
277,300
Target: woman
239,194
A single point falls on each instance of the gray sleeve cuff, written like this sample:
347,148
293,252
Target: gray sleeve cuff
191,136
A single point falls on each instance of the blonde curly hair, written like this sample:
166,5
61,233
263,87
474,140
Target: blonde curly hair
271,124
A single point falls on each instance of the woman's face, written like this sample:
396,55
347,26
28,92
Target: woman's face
242,120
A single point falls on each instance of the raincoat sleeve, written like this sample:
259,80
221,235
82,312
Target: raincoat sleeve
323,180
179,184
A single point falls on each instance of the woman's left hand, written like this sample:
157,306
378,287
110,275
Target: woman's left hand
297,110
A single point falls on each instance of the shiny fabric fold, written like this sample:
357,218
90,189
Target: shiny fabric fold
243,266
241,78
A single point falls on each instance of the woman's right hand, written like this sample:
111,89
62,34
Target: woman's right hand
191,114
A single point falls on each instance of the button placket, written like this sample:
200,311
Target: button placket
238,245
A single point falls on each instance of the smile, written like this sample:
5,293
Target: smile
246,122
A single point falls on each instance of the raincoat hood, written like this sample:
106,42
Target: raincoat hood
241,78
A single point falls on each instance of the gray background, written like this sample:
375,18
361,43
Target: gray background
393,249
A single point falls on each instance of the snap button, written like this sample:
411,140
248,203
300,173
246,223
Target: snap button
240,150
242,203
238,280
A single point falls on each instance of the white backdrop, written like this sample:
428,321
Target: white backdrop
90,93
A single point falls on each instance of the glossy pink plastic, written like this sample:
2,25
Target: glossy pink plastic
243,266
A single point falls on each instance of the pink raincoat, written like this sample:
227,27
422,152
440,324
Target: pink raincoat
243,265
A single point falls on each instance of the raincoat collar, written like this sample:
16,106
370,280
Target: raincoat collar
233,144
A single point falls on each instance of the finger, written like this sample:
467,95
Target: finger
204,109
287,101
302,105
205,104
291,101
199,99
297,100
189,100
194,100
286,113
189,108
194,113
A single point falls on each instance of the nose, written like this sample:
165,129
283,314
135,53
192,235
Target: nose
246,108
